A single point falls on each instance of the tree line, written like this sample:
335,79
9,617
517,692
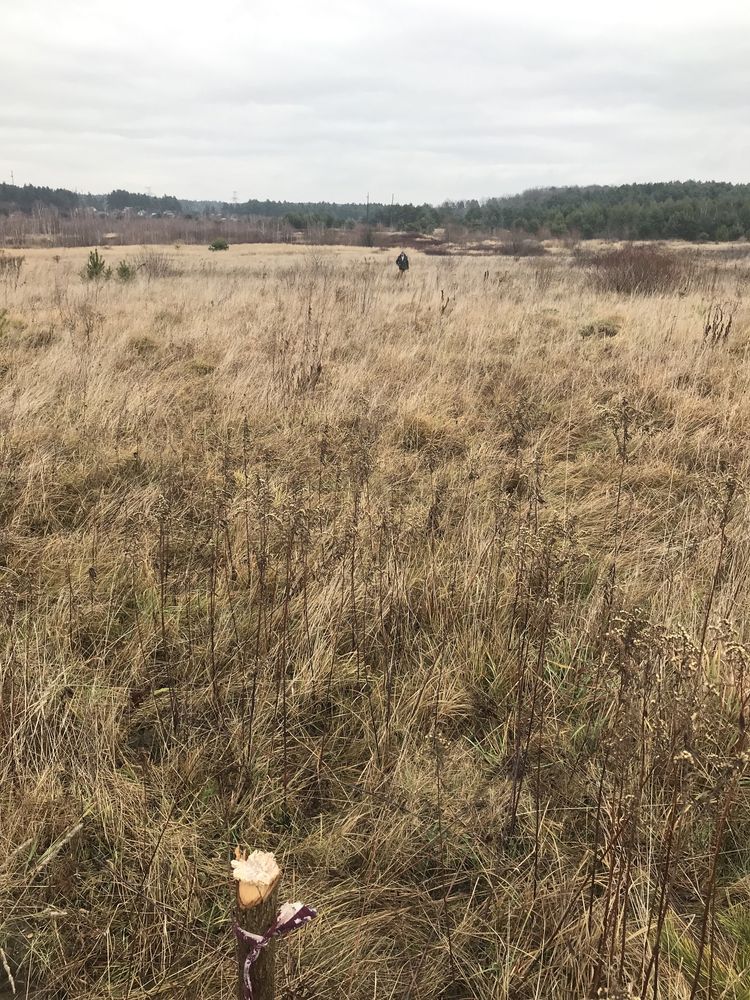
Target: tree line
29,198
689,210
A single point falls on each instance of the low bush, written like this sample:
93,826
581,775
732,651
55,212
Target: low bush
156,264
600,328
96,267
635,270
525,246
125,272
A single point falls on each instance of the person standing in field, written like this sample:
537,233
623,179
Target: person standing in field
402,262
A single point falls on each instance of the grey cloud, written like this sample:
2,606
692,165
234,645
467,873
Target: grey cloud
331,100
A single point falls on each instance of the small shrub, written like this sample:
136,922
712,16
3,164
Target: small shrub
87,318
155,264
218,244
526,247
125,271
600,328
635,270
515,246
96,267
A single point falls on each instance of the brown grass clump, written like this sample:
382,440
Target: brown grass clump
10,268
446,605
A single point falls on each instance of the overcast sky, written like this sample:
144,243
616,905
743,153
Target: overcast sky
327,100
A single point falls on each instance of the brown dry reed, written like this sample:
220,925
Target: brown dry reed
406,580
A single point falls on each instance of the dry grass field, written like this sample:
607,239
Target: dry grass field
435,585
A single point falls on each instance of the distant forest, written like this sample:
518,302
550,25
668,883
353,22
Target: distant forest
689,210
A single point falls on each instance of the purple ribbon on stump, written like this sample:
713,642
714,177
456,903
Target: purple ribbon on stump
257,942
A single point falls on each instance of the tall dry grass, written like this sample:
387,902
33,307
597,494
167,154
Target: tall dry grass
435,585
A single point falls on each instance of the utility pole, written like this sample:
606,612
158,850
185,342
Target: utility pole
390,223
367,212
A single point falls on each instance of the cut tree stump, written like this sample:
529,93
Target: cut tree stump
259,921
256,908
